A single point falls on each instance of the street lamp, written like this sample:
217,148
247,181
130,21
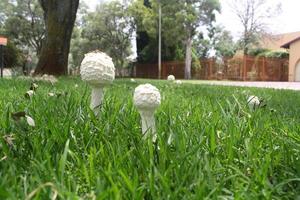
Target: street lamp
159,39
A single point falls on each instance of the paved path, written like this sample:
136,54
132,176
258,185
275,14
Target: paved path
275,85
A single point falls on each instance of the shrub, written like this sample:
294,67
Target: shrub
13,56
261,52
258,51
277,54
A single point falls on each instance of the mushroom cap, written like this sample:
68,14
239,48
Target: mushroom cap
171,78
253,100
179,82
146,97
97,68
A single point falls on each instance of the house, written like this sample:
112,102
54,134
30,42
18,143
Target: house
294,58
287,42
275,42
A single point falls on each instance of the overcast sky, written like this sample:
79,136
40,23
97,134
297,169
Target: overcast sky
287,21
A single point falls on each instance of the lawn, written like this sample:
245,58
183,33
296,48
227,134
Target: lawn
210,144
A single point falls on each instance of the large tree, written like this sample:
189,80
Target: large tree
254,16
142,37
24,24
59,17
145,14
110,29
182,20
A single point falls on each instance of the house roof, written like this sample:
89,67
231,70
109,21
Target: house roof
277,42
287,45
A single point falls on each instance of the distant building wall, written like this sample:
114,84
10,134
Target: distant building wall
294,59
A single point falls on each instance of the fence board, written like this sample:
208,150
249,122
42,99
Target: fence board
246,68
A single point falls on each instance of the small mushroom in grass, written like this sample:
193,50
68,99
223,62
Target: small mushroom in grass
146,99
253,102
30,121
51,94
171,78
29,94
33,86
98,70
178,82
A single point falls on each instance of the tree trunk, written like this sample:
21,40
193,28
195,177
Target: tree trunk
60,17
188,58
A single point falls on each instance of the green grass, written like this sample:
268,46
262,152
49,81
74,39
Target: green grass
218,148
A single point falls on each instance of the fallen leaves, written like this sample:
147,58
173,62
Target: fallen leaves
9,139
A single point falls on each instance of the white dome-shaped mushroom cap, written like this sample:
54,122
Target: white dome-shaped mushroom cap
254,100
146,96
97,68
179,82
171,78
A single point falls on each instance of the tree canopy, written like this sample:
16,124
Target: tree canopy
189,31
254,16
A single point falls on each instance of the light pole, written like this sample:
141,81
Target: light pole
159,39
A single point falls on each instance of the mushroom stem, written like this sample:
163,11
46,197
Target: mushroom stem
148,124
96,99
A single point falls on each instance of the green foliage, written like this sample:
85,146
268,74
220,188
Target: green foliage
13,56
262,52
110,29
218,40
277,54
258,51
24,24
223,43
210,145
79,47
195,59
202,46
180,19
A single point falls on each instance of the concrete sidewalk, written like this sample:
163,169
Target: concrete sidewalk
274,85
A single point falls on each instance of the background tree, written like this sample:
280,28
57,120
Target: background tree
183,18
221,42
217,43
59,17
202,46
110,29
254,16
138,10
79,45
25,25
145,16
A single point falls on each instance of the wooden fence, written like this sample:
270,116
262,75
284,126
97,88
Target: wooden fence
246,69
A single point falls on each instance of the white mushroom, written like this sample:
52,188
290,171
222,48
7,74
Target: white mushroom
29,93
51,94
146,99
253,102
47,78
171,78
98,70
178,82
